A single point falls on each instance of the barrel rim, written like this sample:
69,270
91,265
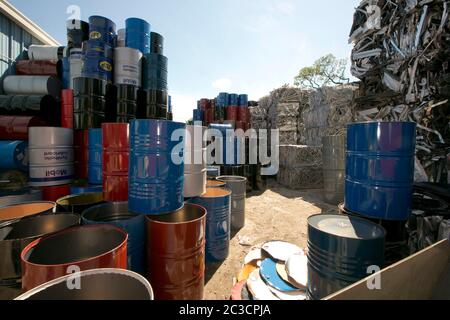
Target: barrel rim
83,195
151,219
113,213
216,193
173,123
382,229
62,279
4,222
381,122
55,214
73,229
231,179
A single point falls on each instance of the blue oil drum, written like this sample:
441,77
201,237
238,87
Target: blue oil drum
342,250
80,189
155,72
217,202
117,214
380,169
169,109
14,155
97,68
96,49
229,157
198,115
243,100
66,73
95,164
156,182
222,100
138,35
233,99
102,29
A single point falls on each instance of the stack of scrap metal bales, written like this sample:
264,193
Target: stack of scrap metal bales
401,54
303,117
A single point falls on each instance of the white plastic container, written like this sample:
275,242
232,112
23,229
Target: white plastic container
51,156
127,66
45,52
121,33
32,85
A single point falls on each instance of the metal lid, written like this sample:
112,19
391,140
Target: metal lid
346,227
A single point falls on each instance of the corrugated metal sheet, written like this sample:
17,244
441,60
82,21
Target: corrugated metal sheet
13,42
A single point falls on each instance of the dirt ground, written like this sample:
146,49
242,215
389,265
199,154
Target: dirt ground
276,214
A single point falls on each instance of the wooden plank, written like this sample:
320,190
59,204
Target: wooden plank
417,277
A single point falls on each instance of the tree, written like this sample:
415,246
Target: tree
326,71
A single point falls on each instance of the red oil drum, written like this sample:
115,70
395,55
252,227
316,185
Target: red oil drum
176,254
55,193
81,148
67,108
37,68
240,125
232,113
242,114
16,128
205,104
209,115
79,248
116,152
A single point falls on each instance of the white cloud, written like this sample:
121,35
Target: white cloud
222,84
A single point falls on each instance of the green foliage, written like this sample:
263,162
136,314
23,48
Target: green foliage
326,71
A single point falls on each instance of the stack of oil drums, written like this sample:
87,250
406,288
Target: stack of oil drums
371,233
155,99
87,130
380,177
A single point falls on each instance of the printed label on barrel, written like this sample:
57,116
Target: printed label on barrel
46,157
95,35
47,175
106,66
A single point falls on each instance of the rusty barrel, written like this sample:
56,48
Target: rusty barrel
14,237
24,210
215,184
238,187
97,284
176,253
217,202
74,249
78,203
117,214
115,161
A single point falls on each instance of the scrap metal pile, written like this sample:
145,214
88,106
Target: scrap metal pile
303,117
401,54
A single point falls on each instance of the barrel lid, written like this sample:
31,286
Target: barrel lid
270,276
346,227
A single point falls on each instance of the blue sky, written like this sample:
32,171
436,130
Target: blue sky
242,46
